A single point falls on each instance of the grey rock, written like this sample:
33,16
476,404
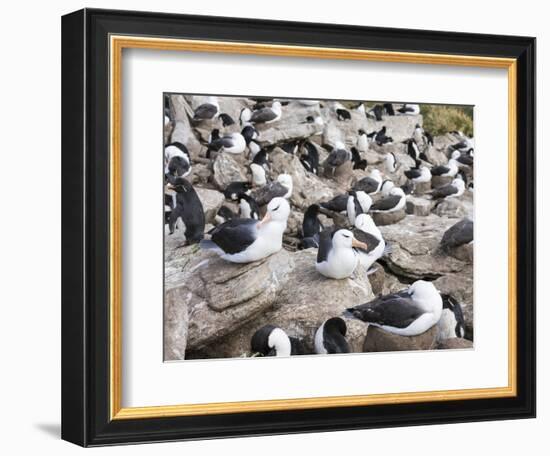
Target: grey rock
415,248
378,340
176,322
182,131
455,343
418,206
454,208
226,170
211,201
388,218
440,181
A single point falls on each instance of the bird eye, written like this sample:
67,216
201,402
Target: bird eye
276,208
345,235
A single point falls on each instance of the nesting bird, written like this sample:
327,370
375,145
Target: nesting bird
247,240
367,232
208,110
270,340
407,313
395,201
459,234
267,115
232,143
336,258
453,190
358,203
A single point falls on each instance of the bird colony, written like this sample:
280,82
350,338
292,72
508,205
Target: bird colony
299,227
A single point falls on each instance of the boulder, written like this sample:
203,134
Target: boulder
415,250
182,131
422,188
454,208
418,206
176,322
378,340
388,218
435,156
211,201
304,300
307,187
382,282
454,344
226,170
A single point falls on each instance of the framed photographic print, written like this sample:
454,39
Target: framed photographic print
275,227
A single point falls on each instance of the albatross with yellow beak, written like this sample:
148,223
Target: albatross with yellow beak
247,240
336,257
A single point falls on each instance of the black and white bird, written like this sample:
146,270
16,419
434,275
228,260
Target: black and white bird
463,158
395,201
419,174
418,134
453,190
232,143
267,115
249,133
337,157
358,162
370,184
223,215
388,107
330,337
177,160
459,234
341,112
260,158
248,207
270,340
412,149
254,148
226,119
451,324
386,187
233,190
381,138
391,162
311,224
362,141
367,232
464,145
358,203
377,111
282,187
208,110
310,160
189,209
336,257
259,178
450,169
337,204
407,313
409,109
247,240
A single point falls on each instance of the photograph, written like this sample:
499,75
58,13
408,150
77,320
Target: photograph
315,227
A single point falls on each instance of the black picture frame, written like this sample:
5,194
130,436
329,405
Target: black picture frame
85,222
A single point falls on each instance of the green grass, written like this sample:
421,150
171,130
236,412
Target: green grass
439,119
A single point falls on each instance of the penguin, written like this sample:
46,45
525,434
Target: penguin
362,141
409,109
337,157
189,208
389,109
451,324
330,337
391,162
343,114
358,162
311,224
226,119
358,202
249,133
233,190
254,148
412,149
270,340
177,160
381,137
223,215
377,111
310,160
248,208
258,175
261,159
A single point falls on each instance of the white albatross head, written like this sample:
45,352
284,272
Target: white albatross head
345,239
278,210
425,291
365,223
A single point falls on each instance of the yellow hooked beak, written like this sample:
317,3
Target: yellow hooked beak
267,218
358,244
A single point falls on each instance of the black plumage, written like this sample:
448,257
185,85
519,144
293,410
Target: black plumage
444,191
337,204
311,224
263,115
343,114
233,190
367,185
338,157
358,162
386,203
205,111
325,244
251,206
381,138
454,306
334,336
412,149
440,170
226,119
261,158
397,310
310,160
249,133
189,209
235,235
377,110
389,109
460,233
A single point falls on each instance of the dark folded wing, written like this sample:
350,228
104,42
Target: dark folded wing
235,235
206,111
337,204
386,203
325,245
337,158
446,190
439,170
263,115
458,234
367,185
398,312
371,241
